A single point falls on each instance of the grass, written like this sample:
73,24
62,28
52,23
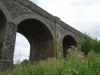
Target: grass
76,63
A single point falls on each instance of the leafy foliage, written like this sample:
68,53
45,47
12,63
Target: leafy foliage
89,44
84,60
25,62
75,64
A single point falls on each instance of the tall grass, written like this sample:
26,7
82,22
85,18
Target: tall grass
75,64
84,60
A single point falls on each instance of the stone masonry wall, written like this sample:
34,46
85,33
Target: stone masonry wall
19,11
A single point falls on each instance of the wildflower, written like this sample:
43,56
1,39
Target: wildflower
81,55
72,46
79,46
68,50
69,62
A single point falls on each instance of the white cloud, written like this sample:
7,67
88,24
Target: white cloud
22,48
35,1
83,15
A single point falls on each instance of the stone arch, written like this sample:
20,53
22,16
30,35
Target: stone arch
3,22
67,42
31,16
4,19
5,12
39,36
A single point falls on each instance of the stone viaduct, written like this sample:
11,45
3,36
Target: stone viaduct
39,27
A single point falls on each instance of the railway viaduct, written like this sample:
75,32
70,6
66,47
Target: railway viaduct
39,27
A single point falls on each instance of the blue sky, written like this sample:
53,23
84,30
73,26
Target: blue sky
84,15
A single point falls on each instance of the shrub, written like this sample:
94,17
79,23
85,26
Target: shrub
25,62
78,64
89,44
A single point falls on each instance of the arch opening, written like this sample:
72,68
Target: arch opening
68,41
22,49
39,37
3,23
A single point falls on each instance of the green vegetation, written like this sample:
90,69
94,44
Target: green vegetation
89,44
25,62
57,50
83,60
75,64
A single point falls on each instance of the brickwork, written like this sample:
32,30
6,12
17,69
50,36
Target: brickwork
38,26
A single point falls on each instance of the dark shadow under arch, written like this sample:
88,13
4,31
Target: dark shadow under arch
36,17
67,42
3,23
39,37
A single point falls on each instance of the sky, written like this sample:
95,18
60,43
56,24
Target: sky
83,15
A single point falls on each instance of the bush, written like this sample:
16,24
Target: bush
78,64
89,44
25,62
